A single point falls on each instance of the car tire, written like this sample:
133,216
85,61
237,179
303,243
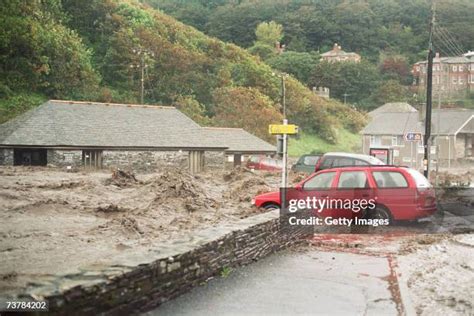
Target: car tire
380,212
271,206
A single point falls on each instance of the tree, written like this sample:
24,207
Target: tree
390,91
269,33
355,80
248,107
300,65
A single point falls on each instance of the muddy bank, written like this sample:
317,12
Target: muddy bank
54,222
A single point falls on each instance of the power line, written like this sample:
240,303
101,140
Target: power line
449,41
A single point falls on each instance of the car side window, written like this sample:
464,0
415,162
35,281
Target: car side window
390,179
310,160
342,162
320,181
327,163
352,180
359,162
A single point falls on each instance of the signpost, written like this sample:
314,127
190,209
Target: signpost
280,129
284,129
413,137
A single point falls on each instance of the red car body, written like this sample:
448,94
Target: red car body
264,163
404,192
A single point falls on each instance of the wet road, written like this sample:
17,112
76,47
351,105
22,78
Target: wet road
295,283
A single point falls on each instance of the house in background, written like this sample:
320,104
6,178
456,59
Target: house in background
338,55
453,77
452,131
97,135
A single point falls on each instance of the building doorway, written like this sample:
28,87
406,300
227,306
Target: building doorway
29,157
92,159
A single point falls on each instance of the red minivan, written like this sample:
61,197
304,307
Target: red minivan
399,193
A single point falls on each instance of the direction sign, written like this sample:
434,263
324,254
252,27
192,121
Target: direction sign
413,137
278,129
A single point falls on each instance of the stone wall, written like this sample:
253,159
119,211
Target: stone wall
64,158
6,156
143,160
135,160
147,281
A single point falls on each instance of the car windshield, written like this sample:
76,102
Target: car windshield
420,180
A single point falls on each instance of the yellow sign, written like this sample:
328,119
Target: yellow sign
276,129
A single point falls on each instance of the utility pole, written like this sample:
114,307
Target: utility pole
429,93
345,97
142,53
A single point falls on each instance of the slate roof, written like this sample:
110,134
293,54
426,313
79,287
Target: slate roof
240,141
389,123
89,124
393,107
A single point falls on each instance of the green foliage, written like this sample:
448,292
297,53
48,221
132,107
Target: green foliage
262,50
85,49
390,91
39,54
357,80
14,105
308,143
300,65
269,33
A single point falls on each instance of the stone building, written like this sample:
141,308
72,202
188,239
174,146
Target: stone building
101,135
453,77
452,131
338,55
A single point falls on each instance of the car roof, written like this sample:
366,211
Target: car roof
369,167
352,156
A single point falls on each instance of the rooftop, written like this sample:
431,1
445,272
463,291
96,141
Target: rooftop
240,141
92,124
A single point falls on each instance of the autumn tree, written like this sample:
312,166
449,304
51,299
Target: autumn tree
245,107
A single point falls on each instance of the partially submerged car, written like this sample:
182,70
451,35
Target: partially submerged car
400,193
264,163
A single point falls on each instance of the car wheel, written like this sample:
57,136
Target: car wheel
271,206
380,212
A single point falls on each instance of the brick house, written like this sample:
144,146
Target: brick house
453,77
338,55
452,131
99,135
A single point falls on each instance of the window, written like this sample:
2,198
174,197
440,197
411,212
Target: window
342,162
461,68
472,78
455,68
397,140
420,180
375,140
455,80
461,81
352,180
358,162
310,160
390,179
320,181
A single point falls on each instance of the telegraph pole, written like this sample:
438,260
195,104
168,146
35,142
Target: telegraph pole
429,93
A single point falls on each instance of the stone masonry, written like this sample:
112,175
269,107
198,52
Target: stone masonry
143,282
6,156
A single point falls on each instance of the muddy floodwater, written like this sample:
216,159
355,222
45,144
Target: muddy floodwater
54,222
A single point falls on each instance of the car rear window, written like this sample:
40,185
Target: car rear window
420,180
352,180
390,179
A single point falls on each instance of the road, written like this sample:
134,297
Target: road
295,283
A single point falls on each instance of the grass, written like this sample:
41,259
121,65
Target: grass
308,143
226,271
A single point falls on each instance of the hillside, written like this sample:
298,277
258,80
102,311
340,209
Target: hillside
390,35
88,51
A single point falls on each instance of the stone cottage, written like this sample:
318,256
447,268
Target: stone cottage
97,135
